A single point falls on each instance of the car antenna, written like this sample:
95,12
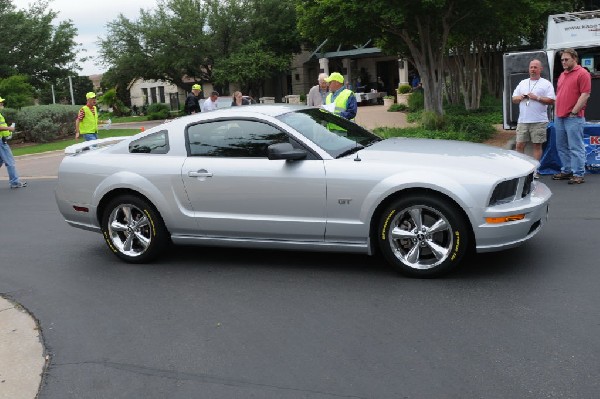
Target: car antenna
357,158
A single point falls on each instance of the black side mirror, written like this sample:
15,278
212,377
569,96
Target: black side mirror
285,151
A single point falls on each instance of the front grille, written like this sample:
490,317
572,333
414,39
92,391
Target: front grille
527,185
504,192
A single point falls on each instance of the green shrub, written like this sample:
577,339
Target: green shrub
10,115
158,111
398,108
403,89
432,121
475,129
45,123
416,101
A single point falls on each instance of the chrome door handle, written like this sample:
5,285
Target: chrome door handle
200,173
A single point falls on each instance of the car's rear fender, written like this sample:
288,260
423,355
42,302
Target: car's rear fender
169,200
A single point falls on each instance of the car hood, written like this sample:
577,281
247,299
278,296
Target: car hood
449,154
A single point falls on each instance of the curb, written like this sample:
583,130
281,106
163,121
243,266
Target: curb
22,359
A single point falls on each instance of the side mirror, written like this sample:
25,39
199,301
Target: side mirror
285,151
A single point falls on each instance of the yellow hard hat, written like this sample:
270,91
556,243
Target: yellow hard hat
196,87
91,94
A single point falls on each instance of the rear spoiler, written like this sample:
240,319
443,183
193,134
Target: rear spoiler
93,145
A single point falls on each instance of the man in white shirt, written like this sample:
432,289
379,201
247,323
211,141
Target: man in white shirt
533,96
210,104
318,93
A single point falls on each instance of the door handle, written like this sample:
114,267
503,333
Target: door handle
200,173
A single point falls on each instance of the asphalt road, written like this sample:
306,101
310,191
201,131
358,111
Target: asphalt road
210,323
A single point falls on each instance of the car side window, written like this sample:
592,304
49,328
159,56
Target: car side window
233,138
156,143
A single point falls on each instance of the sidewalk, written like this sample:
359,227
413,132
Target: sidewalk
21,353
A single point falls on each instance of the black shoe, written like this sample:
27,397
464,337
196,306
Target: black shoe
562,176
576,180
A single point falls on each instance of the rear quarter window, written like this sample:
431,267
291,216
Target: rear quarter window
155,143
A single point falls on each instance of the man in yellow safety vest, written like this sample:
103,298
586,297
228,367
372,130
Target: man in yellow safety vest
87,119
6,156
344,100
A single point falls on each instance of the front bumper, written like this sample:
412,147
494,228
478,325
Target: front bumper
495,237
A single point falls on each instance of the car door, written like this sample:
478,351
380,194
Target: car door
237,192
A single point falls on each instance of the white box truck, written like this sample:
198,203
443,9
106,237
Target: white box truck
578,30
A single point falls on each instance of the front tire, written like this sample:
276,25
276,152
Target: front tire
423,236
133,229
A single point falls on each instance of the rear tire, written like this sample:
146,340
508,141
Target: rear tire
133,229
423,236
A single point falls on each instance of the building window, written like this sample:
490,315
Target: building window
153,99
161,94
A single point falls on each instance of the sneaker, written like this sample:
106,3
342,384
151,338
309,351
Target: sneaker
562,176
536,175
20,184
576,180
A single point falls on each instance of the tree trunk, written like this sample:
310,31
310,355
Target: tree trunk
428,58
466,62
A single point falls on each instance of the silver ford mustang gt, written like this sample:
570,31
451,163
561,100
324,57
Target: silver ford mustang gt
299,178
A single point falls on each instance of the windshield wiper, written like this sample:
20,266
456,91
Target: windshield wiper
350,151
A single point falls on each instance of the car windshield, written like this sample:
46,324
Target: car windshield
336,135
225,101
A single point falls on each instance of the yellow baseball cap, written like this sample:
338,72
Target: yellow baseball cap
335,76
91,94
196,87
2,100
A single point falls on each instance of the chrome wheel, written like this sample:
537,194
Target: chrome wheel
133,229
129,230
420,237
423,235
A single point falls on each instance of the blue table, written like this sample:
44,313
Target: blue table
550,162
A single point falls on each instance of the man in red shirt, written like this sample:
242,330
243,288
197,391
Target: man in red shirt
573,90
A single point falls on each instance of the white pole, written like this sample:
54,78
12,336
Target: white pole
53,96
71,86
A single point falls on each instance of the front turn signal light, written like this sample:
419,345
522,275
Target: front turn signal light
505,219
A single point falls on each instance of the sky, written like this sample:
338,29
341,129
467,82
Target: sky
90,18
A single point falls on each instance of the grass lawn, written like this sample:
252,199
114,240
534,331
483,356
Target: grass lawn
123,119
24,149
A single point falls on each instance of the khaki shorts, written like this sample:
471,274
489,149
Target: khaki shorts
534,132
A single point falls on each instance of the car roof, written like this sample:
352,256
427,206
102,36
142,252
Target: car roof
272,110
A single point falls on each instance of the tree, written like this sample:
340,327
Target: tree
17,91
255,40
250,66
431,32
167,44
110,99
62,90
192,39
31,45
421,28
491,29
